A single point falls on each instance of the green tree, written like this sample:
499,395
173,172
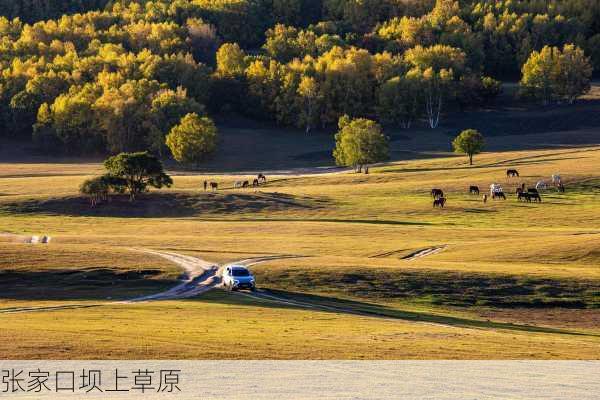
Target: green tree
399,101
99,188
193,139
359,142
469,142
138,172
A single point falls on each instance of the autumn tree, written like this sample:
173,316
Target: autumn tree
575,73
309,92
552,74
541,73
469,142
231,60
192,139
359,142
436,68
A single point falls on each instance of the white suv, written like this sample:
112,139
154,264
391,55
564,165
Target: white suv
237,277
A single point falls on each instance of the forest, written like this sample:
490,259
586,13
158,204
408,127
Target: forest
102,77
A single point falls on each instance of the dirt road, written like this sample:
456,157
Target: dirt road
199,277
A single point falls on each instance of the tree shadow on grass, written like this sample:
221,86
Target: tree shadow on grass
287,299
167,205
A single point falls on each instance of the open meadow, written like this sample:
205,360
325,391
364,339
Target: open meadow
378,272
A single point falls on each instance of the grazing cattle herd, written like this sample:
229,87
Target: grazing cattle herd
532,194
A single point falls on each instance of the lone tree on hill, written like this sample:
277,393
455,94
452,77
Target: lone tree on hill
193,139
469,142
359,142
137,172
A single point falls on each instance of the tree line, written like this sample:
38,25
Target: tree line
120,76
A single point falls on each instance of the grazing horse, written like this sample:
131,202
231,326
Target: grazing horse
238,184
494,188
499,195
535,197
474,190
439,202
437,193
245,184
255,183
262,178
214,186
541,185
512,172
556,180
524,196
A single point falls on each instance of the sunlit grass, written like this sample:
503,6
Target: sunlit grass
340,223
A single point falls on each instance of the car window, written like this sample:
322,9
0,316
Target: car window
240,272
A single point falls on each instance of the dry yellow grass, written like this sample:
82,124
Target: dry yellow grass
340,222
224,327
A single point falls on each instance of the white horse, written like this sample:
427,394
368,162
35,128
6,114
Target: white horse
556,180
541,185
238,184
495,188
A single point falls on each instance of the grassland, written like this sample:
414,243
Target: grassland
514,280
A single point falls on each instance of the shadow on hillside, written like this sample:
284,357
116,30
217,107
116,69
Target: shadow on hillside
92,284
165,205
302,301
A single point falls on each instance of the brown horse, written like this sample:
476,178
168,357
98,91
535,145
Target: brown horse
474,190
214,186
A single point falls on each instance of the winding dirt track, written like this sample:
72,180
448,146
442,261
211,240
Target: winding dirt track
199,277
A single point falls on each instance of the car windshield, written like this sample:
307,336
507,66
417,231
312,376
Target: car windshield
240,272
